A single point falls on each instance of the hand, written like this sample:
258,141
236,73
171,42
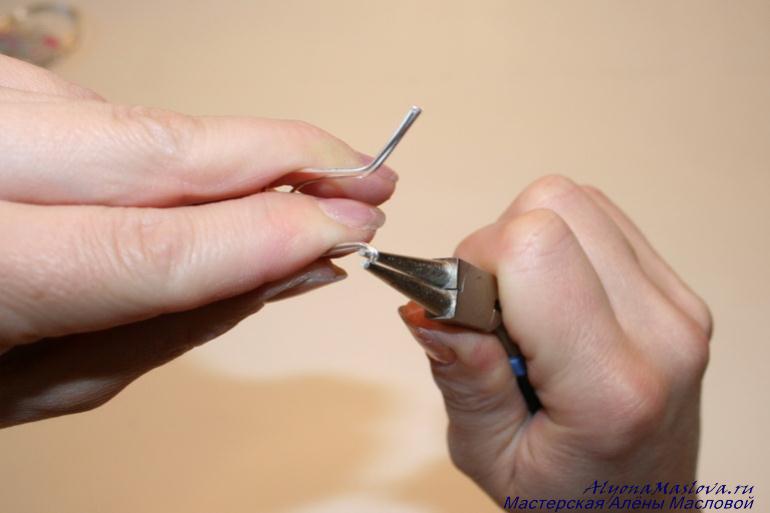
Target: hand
616,346
129,234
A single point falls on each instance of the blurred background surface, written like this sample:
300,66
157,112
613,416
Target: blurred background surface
324,403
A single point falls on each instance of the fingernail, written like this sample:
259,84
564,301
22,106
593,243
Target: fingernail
312,277
429,341
352,214
386,173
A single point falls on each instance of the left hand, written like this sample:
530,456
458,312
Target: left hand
130,234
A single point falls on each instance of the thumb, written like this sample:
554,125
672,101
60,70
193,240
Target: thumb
483,403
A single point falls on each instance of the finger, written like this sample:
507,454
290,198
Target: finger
555,307
98,153
67,270
483,403
654,266
21,75
634,298
374,188
77,373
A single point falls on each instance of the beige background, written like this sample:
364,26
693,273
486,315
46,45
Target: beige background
324,404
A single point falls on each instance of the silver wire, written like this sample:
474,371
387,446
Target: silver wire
371,167
367,251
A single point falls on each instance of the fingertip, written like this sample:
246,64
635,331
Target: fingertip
478,352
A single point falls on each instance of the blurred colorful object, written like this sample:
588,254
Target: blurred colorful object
39,33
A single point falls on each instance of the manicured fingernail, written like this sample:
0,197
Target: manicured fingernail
352,214
312,277
430,342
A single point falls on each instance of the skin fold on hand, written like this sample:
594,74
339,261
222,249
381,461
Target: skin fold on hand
616,347
130,234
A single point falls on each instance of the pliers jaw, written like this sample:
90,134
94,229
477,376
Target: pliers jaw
476,304
450,289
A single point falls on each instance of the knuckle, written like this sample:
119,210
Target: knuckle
695,342
169,136
685,341
592,190
704,318
535,234
487,357
636,405
548,191
150,245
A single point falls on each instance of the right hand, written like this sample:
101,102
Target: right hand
130,234
616,346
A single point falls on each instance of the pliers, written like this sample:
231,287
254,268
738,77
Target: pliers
450,290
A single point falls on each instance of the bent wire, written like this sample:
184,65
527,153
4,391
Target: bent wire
370,253
318,174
